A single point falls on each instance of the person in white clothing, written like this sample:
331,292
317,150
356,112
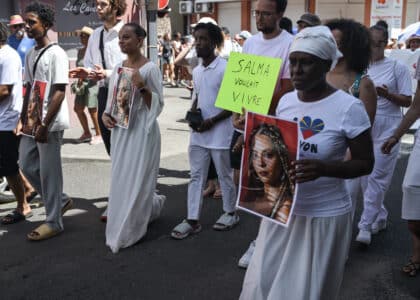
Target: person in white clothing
103,54
39,155
133,203
393,84
210,138
10,108
273,42
306,260
411,188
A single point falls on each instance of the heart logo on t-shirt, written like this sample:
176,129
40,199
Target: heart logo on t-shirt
310,127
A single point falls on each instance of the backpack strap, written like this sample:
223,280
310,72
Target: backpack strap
101,48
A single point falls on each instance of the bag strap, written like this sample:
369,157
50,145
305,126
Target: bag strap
101,48
39,56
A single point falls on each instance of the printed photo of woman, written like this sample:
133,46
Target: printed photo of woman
266,188
123,94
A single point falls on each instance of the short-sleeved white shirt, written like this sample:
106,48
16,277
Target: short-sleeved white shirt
207,81
53,68
396,76
325,126
10,74
275,47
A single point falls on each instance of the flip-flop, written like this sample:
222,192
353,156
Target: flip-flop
15,217
42,232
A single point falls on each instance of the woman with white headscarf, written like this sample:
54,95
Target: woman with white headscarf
306,260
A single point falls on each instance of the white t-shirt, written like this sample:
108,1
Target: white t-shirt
10,74
396,76
207,81
53,67
324,127
275,47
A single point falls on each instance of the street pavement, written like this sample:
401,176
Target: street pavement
78,265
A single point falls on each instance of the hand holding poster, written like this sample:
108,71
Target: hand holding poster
266,189
122,99
249,82
34,110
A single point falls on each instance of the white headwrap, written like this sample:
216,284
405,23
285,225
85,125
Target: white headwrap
318,41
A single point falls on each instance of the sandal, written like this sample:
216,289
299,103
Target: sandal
184,229
31,196
67,206
42,232
226,222
411,268
15,217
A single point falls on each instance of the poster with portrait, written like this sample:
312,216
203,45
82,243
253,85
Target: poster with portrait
34,110
265,188
122,98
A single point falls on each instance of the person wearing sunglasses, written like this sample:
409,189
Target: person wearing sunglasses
18,38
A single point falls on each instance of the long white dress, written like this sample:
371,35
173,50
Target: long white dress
135,156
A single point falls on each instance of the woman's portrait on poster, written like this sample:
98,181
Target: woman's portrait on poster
269,191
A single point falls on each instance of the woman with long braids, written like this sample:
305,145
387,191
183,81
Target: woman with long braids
268,174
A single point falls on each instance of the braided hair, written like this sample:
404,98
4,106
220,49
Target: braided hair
280,149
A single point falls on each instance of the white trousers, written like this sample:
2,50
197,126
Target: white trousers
375,185
199,163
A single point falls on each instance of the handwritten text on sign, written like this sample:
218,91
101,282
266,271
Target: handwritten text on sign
249,82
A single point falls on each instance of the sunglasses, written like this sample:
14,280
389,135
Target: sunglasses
17,26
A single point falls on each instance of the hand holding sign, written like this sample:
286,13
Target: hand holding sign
249,82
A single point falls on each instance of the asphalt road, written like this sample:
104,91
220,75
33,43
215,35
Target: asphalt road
78,265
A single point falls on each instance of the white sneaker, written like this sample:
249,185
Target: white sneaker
378,226
246,257
364,237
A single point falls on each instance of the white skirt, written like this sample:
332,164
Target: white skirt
411,184
302,262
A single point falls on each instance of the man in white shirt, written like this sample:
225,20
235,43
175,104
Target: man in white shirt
210,137
100,60
39,155
10,108
271,41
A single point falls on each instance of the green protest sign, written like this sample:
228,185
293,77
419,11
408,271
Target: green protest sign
249,82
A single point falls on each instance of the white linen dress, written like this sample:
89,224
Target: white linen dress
135,156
